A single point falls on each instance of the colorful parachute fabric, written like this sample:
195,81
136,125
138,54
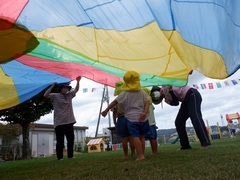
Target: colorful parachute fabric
55,41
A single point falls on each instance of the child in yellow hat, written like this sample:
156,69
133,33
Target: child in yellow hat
136,110
120,122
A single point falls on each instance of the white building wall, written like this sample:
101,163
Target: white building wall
51,143
34,145
43,142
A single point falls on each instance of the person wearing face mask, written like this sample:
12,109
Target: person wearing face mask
63,116
190,107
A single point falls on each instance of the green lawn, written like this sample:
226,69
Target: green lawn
220,161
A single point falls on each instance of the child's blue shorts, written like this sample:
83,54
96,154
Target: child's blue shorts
152,134
122,128
138,128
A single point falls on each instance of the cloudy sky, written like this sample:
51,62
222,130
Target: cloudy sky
216,101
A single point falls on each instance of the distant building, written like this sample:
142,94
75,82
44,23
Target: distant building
42,139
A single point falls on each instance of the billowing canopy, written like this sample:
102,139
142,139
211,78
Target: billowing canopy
55,41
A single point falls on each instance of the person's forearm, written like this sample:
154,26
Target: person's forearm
77,86
111,105
145,111
46,94
146,107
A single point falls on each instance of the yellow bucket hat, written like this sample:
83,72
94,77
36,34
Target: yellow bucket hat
118,88
132,81
149,93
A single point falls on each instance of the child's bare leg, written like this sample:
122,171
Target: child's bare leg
138,146
125,146
142,139
132,146
154,146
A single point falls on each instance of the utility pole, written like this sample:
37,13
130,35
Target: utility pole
105,98
222,120
99,115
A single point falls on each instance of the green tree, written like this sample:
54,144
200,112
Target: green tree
9,131
26,113
9,134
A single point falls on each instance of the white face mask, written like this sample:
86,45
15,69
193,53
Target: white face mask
156,95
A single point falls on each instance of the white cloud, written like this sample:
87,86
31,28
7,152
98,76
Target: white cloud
215,102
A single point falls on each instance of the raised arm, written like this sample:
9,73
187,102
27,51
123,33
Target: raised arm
77,85
46,94
110,106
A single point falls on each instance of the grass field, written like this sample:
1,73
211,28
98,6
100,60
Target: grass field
220,161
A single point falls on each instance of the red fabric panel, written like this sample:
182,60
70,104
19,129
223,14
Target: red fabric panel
70,70
10,10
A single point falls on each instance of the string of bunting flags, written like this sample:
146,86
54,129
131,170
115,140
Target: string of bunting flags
85,90
202,86
216,85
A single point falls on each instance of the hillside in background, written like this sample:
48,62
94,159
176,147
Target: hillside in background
189,129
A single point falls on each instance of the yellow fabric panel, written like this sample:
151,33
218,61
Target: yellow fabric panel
78,39
8,96
141,48
205,61
164,53
128,50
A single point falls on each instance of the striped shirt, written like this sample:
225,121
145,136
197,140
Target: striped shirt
63,110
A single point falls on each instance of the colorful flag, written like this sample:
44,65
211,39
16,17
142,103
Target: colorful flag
218,84
85,90
226,83
210,85
195,86
234,82
203,86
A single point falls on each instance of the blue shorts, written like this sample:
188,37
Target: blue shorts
122,128
152,134
138,128
233,130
